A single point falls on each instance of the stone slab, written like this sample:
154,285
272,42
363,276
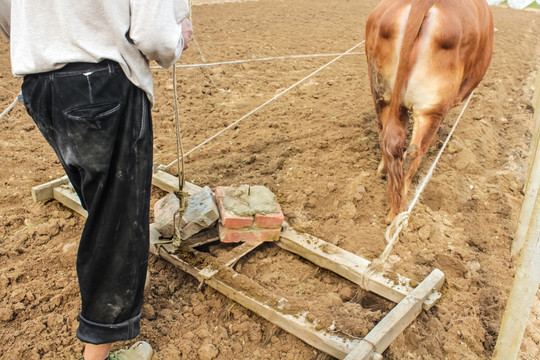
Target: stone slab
201,213
164,210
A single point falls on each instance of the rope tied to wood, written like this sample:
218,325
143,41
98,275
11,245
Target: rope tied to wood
393,232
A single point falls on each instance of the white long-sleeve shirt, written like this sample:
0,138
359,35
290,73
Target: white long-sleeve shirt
45,35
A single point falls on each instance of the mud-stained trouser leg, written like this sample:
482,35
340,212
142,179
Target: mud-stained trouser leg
99,125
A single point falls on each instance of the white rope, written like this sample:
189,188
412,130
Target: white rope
179,147
10,107
401,221
264,104
260,59
203,58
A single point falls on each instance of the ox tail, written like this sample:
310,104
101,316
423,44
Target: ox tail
394,134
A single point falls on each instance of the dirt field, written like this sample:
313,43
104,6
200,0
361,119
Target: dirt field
316,147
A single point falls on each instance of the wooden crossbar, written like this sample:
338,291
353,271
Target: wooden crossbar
392,286
393,324
296,324
44,192
356,269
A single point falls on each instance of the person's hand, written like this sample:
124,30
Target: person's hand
187,32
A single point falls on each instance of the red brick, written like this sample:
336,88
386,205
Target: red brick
229,219
246,235
274,220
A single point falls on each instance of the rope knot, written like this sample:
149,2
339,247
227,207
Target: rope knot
400,223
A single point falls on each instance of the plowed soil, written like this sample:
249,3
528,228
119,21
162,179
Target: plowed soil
316,148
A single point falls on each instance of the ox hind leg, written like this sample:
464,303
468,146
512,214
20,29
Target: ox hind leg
382,115
393,148
426,125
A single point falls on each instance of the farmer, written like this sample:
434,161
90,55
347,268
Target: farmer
88,87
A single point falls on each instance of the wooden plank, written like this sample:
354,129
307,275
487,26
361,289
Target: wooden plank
159,249
523,292
161,179
536,132
356,269
169,183
393,324
197,243
44,192
391,286
239,252
295,324
176,261
532,189
67,196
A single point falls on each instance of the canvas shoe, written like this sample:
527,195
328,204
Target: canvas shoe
141,350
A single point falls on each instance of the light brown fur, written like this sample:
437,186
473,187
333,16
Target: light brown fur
445,51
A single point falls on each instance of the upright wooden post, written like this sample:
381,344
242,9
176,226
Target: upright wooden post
532,183
527,246
523,292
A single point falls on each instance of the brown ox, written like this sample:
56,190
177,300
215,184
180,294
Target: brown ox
424,57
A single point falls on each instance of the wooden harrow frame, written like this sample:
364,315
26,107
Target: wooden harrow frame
219,273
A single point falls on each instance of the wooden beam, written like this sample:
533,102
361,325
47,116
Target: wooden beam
536,130
296,324
67,196
393,324
532,182
239,252
356,269
522,293
164,249
196,243
169,183
161,179
44,192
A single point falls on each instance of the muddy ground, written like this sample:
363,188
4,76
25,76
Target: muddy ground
316,148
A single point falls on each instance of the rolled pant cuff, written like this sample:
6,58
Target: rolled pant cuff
96,333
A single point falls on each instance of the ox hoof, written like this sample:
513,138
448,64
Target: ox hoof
381,170
390,217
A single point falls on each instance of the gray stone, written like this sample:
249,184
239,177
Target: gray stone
164,211
202,213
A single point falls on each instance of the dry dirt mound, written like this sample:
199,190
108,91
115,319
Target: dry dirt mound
316,148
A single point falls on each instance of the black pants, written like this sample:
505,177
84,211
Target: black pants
99,125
